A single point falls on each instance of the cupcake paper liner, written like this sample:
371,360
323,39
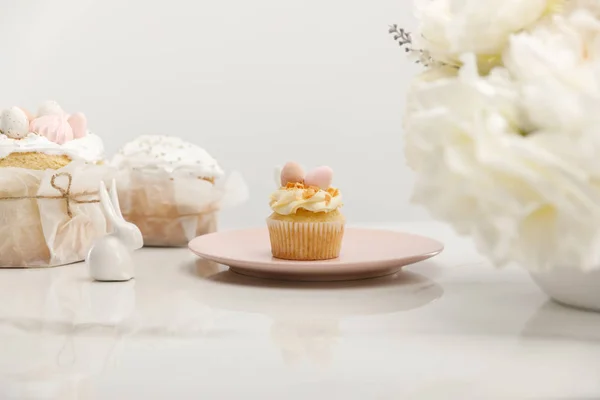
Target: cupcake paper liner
307,241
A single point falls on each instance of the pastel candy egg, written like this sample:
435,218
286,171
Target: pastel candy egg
15,123
50,108
291,173
78,124
320,177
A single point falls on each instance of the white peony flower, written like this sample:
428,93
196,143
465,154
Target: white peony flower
592,6
449,28
525,198
558,67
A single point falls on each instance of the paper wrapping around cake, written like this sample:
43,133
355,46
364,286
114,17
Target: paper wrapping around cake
172,210
49,218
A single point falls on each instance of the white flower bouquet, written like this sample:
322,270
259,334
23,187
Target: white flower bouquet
503,127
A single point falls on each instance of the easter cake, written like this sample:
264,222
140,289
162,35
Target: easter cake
49,172
172,189
306,223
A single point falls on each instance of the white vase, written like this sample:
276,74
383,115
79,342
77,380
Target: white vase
571,287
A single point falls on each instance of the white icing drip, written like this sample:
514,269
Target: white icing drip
167,153
89,148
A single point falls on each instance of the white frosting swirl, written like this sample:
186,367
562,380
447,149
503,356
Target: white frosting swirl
286,201
88,148
167,153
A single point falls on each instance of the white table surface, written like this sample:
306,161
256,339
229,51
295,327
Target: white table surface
448,328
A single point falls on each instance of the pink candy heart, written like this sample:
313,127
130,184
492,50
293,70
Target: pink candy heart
320,177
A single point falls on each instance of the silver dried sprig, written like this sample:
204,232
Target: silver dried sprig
404,40
401,36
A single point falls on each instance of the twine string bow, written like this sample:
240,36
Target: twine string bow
64,194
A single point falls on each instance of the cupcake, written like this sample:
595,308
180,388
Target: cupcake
306,223
171,189
50,170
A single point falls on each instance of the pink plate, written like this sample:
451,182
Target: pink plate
366,253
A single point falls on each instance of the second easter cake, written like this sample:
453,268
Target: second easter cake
169,188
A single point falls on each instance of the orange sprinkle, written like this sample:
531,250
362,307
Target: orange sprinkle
295,185
308,193
333,191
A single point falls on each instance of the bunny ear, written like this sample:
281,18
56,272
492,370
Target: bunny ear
277,175
115,198
107,205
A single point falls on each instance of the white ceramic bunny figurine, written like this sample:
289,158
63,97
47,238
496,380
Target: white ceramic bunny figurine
111,258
